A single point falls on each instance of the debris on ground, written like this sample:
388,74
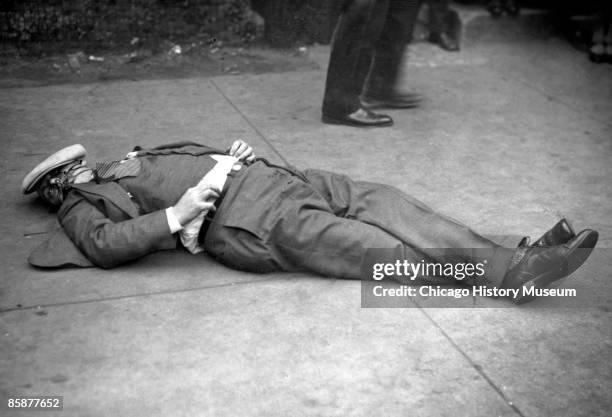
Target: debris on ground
143,59
175,51
74,60
138,56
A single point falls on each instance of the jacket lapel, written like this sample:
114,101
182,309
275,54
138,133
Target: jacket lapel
112,193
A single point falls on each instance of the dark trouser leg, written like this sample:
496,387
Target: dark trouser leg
309,237
298,231
410,221
390,47
270,220
438,9
357,30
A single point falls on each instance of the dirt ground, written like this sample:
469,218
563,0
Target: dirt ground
167,61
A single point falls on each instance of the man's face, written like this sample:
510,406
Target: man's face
53,187
49,191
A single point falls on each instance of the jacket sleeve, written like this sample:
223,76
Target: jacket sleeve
108,243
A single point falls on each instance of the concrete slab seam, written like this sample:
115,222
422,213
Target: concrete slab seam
128,296
474,365
251,124
549,96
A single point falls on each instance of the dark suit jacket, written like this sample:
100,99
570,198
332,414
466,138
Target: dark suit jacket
102,226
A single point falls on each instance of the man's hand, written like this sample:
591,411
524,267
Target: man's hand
241,150
194,201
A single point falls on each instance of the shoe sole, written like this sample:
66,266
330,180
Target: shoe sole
332,121
575,258
373,105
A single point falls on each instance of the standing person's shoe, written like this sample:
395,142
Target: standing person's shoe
538,267
391,101
597,51
359,118
495,8
608,43
512,7
444,41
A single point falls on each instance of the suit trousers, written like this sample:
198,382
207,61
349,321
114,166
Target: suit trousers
438,12
273,220
366,52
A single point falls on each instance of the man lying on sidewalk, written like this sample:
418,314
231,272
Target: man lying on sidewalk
252,215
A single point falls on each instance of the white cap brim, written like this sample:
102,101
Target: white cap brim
58,159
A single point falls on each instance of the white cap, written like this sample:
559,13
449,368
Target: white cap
58,159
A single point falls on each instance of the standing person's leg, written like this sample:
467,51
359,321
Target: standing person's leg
437,15
440,32
495,7
381,86
358,28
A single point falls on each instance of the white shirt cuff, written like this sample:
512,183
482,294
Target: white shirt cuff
173,222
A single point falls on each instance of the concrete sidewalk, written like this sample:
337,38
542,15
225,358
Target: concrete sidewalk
512,135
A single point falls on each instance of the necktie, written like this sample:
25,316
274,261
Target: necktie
114,170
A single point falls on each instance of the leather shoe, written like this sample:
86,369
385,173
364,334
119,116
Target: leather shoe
560,233
391,101
444,41
538,267
495,7
512,7
597,51
360,118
